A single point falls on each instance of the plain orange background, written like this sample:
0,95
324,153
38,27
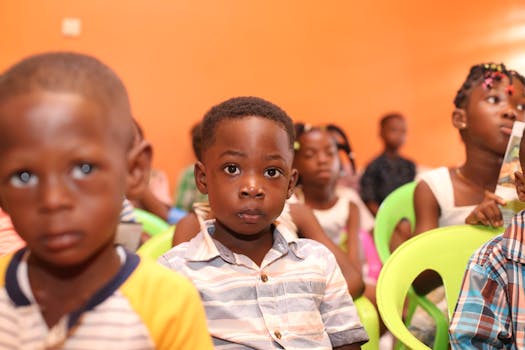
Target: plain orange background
346,62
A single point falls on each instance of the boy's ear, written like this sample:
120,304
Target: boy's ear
139,168
519,179
199,171
294,176
459,118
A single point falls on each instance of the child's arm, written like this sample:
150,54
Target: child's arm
353,244
309,227
427,214
487,212
151,203
187,228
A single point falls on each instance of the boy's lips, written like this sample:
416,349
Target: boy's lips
59,241
250,216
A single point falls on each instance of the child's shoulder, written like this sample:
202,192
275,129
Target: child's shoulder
151,279
5,260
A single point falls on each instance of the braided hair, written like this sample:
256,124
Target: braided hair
485,74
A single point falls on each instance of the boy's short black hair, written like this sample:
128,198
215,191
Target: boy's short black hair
71,73
240,107
388,117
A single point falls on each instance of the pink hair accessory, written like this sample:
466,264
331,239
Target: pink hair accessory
487,83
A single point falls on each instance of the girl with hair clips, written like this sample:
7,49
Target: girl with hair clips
486,106
489,101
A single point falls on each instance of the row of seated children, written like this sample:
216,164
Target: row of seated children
487,104
72,155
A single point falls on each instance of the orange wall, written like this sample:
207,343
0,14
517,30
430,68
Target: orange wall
347,62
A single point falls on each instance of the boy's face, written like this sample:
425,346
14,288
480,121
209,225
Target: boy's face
247,174
317,159
62,175
394,133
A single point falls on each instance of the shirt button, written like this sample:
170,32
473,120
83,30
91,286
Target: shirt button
264,277
278,334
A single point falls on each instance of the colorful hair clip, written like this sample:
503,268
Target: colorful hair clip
296,146
487,83
497,75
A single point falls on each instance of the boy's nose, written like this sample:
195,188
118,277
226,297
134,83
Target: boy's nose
54,195
251,190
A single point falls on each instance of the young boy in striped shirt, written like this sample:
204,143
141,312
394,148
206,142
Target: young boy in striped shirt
68,160
262,287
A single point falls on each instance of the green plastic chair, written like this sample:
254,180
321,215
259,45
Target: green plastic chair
151,223
158,244
446,250
370,320
398,205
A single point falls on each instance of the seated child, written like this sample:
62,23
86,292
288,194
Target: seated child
68,160
489,313
389,170
262,288
318,163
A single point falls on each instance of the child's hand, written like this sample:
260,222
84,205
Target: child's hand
519,180
487,212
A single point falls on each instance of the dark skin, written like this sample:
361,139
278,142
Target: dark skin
485,124
307,227
66,160
393,134
247,179
147,199
318,163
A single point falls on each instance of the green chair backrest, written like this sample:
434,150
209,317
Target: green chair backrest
151,223
445,250
157,245
397,205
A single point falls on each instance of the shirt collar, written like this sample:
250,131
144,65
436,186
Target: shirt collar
204,248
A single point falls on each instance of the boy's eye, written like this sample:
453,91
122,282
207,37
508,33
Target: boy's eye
272,173
232,169
82,170
23,179
520,107
493,99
